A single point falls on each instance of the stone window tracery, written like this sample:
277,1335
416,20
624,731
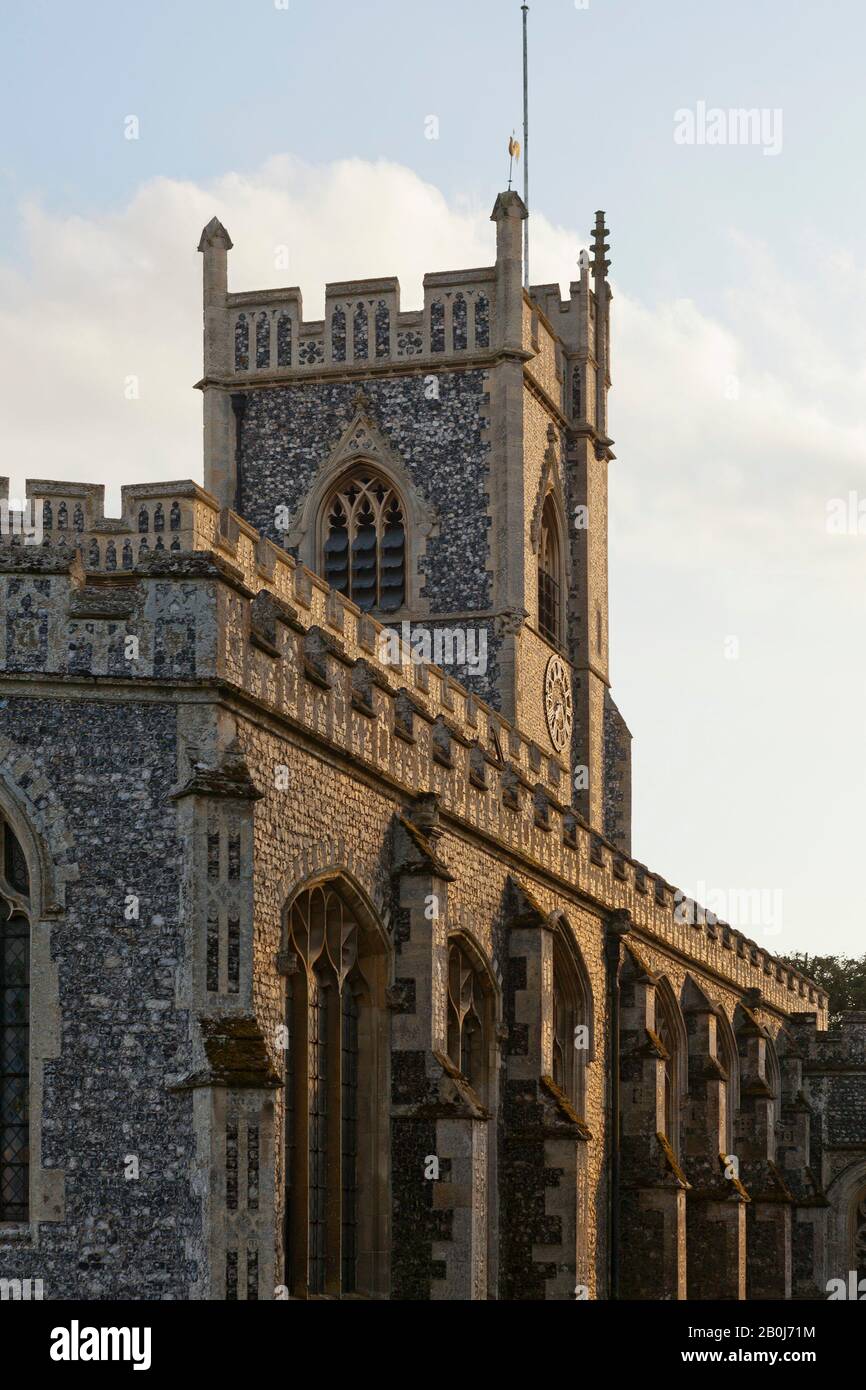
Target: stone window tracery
365,542
468,1037
330,1094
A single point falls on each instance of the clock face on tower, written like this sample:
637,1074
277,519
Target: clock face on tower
558,702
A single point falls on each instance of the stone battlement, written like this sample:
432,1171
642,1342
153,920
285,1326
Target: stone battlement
258,336
363,324
208,600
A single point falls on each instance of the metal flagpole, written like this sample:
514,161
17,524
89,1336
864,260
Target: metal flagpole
525,9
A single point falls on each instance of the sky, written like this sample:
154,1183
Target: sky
738,407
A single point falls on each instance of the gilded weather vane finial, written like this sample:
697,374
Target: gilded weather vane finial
514,152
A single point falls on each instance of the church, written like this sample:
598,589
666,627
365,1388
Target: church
327,969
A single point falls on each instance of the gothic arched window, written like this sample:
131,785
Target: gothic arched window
774,1081
669,1044
572,1026
365,542
549,576
671,1033
14,1030
468,1018
726,1050
335,998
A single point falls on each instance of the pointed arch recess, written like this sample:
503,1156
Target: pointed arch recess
567,937
671,1029
336,1157
364,443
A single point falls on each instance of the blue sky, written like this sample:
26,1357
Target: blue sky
739,348
223,84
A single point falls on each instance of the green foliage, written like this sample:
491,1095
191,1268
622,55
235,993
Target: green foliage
843,977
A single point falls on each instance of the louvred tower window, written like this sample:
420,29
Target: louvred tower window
365,542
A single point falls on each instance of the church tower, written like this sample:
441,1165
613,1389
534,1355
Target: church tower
446,468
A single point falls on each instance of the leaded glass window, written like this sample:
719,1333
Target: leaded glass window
549,576
328,998
14,1031
365,542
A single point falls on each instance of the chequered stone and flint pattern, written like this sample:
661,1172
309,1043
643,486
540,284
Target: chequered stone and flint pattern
288,431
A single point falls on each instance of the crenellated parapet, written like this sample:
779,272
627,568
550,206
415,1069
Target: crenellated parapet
267,338
256,338
176,590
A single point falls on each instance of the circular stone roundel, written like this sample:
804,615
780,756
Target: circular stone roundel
558,703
